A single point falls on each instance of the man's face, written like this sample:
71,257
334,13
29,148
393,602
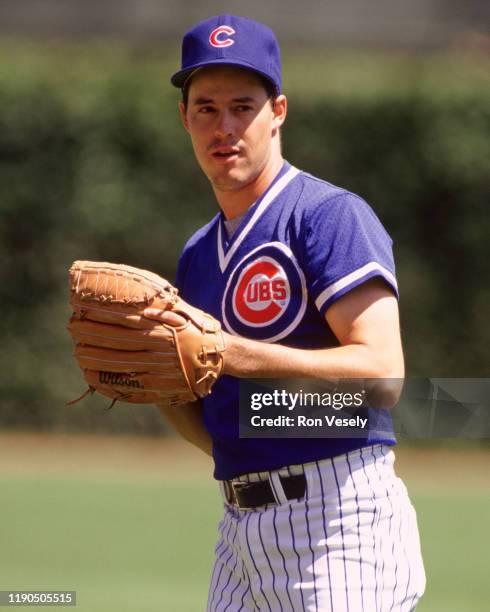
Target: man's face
233,125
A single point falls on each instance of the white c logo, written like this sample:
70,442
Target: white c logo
216,40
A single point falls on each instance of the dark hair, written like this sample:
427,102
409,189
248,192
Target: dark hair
269,87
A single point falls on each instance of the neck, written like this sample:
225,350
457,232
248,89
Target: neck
236,202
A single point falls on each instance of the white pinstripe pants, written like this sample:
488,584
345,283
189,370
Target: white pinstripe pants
352,545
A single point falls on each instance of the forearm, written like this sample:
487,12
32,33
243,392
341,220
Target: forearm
251,359
188,421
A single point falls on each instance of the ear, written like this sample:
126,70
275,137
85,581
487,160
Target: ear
183,115
280,110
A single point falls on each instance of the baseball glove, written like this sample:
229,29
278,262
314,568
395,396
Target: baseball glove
130,358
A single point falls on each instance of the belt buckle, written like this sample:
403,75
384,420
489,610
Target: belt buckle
236,485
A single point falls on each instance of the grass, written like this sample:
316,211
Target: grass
137,543
122,547
455,541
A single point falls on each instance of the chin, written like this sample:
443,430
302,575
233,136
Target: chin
234,178
230,180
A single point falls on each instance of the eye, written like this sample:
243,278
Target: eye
205,110
242,108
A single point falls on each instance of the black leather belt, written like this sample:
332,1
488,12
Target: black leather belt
248,495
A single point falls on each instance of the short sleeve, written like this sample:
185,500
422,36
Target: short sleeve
345,245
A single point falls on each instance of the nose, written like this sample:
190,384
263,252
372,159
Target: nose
224,125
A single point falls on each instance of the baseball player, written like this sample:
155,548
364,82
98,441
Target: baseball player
301,275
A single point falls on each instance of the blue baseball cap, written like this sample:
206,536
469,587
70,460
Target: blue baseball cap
233,41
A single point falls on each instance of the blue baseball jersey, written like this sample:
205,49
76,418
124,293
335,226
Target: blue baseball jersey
300,247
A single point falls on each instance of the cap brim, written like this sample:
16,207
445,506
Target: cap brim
179,78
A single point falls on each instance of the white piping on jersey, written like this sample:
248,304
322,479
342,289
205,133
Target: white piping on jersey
304,293
351,278
268,198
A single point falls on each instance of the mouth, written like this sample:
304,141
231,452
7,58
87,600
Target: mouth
226,154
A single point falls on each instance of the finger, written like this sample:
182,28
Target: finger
165,316
124,319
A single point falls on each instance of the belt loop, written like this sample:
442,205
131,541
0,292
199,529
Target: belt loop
277,489
312,480
224,489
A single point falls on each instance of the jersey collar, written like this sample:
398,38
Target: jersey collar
226,249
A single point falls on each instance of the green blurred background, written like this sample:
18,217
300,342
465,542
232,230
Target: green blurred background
94,164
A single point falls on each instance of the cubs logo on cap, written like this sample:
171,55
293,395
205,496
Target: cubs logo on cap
232,41
219,37
265,297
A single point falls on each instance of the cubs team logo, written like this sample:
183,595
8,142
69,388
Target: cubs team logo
219,37
265,297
